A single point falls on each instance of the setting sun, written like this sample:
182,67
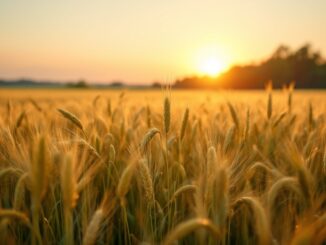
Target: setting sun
211,60
211,66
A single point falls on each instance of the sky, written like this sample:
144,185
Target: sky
149,40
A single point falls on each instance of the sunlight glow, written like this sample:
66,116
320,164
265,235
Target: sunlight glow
211,61
211,66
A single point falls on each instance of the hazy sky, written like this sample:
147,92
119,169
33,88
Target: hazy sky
146,40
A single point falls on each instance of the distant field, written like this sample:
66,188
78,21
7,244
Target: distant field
198,167
178,96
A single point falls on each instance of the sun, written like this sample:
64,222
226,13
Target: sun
211,60
211,66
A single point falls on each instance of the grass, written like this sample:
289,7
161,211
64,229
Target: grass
135,167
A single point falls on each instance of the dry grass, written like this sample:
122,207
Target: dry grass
94,167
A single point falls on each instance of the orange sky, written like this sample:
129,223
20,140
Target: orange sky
142,41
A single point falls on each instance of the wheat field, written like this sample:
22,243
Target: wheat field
162,167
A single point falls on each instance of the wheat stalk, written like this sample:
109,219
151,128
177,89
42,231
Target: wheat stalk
39,180
71,117
184,123
269,106
69,196
20,119
211,160
20,192
147,182
233,115
189,226
290,94
167,115
147,139
93,227
125,180
262,228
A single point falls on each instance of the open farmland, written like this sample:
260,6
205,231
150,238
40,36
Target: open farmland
131,167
